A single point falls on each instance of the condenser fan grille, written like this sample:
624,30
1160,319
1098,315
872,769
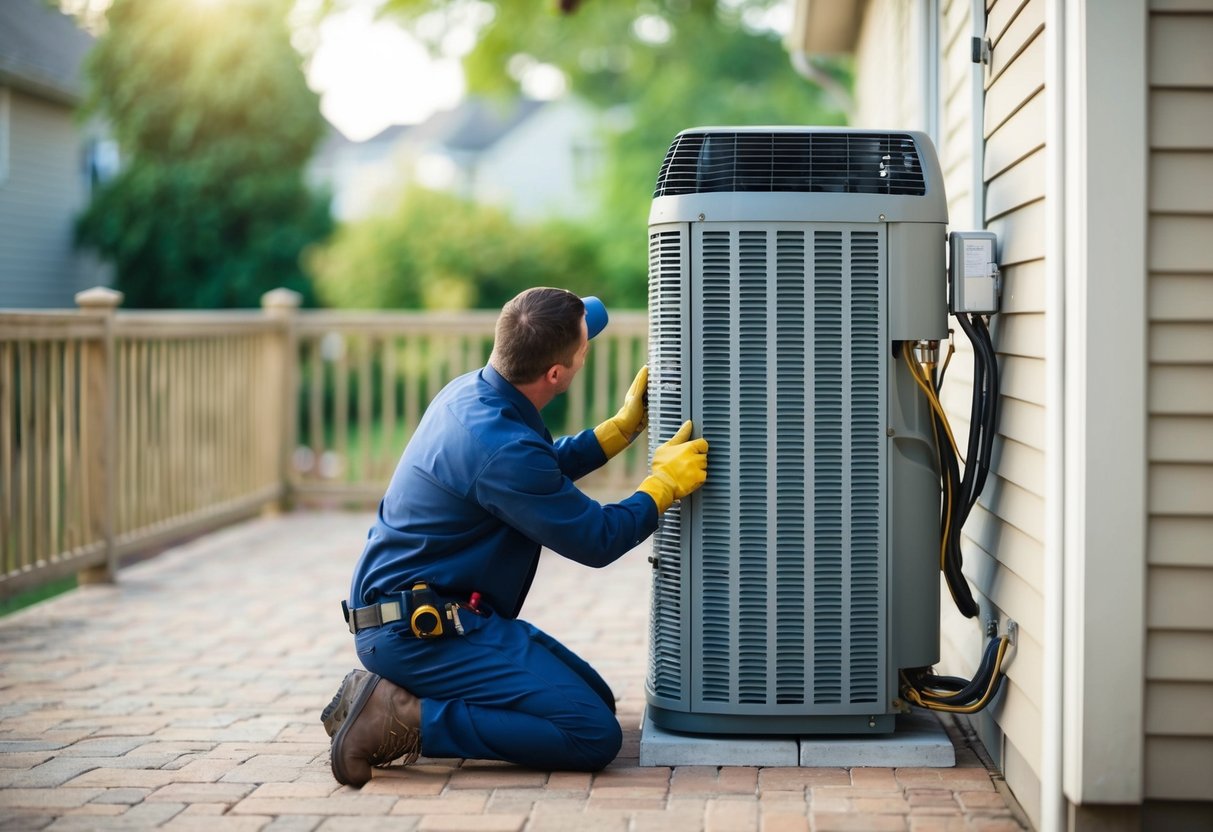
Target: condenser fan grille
860,163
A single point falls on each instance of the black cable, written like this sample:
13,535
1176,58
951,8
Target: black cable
987,416
975,411
992,411
968,487
952,511
975,694
960,494
977,456
973,688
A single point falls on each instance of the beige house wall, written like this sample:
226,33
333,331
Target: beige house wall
1004,555
1004,544
1138,552
1179,596
887,91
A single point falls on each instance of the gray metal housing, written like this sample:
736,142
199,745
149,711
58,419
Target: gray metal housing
789,590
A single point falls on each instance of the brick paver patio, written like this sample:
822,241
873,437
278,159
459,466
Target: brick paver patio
187,697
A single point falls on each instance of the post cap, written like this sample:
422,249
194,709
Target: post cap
99,297
281,300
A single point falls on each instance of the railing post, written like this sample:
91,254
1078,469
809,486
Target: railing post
98,424
282,305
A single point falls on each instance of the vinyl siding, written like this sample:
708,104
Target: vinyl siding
887,92
1004,545
1179,617
956,108
44,190
1009,576
1003,549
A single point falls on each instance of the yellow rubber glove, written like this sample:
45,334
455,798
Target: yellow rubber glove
616,433
679,467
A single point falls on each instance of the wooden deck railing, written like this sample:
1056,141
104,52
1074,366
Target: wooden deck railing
123,431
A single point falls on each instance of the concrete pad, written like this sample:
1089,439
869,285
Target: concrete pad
919,741
659,747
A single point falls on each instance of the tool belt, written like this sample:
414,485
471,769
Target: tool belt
427,614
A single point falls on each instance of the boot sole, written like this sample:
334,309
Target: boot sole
364,695
335,714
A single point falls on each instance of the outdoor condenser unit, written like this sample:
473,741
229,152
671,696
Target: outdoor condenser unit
786,265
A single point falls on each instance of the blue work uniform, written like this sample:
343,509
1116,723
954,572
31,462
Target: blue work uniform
480,488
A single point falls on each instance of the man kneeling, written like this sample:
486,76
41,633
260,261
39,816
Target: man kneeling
450,668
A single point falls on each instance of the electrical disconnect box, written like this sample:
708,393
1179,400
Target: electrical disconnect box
973,278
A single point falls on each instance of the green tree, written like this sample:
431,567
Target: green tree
437,251
215,123
668,64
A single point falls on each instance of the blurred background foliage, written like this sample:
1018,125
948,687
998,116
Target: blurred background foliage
215,122
216,125
438,251
661,65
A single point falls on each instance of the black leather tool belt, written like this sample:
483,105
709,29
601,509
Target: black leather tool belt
427,614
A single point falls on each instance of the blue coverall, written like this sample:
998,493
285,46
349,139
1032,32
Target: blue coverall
480,488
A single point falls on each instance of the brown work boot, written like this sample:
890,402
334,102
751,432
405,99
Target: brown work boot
339,708
383,724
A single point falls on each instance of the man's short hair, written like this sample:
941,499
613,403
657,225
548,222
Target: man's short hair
535,330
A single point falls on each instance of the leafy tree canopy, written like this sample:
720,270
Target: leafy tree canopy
215,122
655,66
663,65
437,251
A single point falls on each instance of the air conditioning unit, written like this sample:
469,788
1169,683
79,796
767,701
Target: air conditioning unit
786,266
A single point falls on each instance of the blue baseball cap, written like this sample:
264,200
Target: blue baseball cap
596,317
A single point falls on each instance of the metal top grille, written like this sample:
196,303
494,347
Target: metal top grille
807,162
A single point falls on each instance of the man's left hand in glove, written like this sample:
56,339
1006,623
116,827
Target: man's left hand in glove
616,433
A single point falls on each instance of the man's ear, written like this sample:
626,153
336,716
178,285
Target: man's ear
552,376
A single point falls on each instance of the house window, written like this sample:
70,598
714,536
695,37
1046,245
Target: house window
102,161
5,129
588,163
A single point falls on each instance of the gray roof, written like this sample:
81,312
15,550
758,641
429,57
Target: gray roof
476,123
41,50
473,125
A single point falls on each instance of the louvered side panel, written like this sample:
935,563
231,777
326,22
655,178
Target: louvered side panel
786,558
865,500
668,268
829,540
790,494
753,463
718,512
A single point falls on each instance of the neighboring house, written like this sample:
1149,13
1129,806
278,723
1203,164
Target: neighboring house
356,173
546,164
1085,140
48,163
537,159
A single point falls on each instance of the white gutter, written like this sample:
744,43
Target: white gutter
802,62
928,17
1052,798
977,107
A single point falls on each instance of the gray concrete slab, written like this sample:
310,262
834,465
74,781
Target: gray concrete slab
919,741
659,747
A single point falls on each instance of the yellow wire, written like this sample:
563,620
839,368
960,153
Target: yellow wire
947,508
948,358
914,695
919,375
